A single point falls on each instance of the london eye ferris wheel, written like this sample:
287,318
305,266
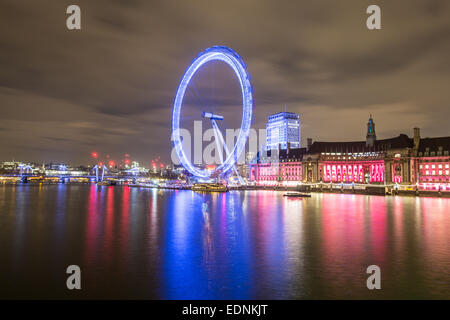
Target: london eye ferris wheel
215,110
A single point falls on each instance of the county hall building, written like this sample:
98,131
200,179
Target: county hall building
416,161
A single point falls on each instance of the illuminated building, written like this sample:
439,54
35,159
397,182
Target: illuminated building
282,129
432,162
249,156
371,136
278,167
424,163
10,165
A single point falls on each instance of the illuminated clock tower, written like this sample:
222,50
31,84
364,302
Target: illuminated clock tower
371,136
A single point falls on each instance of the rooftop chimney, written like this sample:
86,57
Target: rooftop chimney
416,138
308,143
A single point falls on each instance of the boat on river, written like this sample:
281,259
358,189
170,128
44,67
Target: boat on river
209,187
297,195
107,183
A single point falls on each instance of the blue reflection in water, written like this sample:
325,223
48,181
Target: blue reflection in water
60,219
147,243
180,250
206,251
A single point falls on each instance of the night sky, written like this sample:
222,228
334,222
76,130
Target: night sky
109,87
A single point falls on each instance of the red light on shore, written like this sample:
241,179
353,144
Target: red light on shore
127,161
100,164
112,163
161,165
94,155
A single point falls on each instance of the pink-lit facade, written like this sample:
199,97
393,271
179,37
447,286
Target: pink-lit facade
411,162
352,171
433,173
336,171
430,174
278,168
365,167
275,174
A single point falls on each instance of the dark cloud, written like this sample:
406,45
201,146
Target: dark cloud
110,86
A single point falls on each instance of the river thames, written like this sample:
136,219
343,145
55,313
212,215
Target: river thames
164,244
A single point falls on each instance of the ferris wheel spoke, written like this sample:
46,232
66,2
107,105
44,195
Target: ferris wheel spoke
225,131
197,96
188,119
213,84
219,139
197,93
227,152
199,90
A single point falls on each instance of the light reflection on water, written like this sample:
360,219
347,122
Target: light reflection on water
148,243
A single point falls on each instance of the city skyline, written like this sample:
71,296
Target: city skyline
209,152
109,87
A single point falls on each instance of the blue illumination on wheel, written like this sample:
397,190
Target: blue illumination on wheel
231,58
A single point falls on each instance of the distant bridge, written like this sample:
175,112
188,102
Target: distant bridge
26,172
63,178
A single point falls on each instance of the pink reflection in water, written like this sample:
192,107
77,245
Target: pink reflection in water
436,235
377,208
92,224
399,242
348,223
343,228
109,224
125,221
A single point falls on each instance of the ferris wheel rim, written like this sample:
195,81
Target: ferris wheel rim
233,60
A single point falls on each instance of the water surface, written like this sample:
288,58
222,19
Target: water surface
159,244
